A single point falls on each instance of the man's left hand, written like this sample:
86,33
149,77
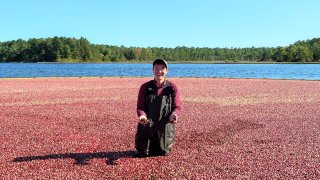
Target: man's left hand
173,118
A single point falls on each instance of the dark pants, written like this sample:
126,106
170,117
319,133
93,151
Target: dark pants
156,139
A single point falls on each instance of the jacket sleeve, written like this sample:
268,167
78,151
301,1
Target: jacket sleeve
176,100
140,101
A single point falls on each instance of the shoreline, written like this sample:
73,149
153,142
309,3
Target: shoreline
171,62
134,77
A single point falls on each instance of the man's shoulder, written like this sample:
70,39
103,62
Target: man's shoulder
146,84
172,84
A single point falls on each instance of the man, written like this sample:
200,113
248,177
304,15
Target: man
158,108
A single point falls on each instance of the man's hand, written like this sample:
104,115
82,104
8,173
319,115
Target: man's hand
143,120
173,118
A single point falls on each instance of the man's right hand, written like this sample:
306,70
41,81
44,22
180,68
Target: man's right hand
143,120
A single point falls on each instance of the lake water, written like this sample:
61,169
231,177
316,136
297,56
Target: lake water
270,71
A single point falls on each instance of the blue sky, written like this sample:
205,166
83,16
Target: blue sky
164,23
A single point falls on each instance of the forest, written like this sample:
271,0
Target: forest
65,49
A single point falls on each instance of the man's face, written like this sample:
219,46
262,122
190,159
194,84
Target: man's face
159,71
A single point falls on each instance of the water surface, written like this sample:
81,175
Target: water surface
270,71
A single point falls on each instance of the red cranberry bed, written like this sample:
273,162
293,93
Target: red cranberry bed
84,128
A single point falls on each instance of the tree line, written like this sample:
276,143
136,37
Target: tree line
63,49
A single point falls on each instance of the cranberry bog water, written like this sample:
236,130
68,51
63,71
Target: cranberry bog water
83,128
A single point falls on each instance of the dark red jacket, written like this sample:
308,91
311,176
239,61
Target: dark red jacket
142,96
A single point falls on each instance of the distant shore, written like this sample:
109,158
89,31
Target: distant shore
173,62
139,77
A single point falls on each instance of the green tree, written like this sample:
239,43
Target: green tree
316,51
280,54
303,54
85,49
146,54
129,54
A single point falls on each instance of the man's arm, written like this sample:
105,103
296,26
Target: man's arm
176,104
140,102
